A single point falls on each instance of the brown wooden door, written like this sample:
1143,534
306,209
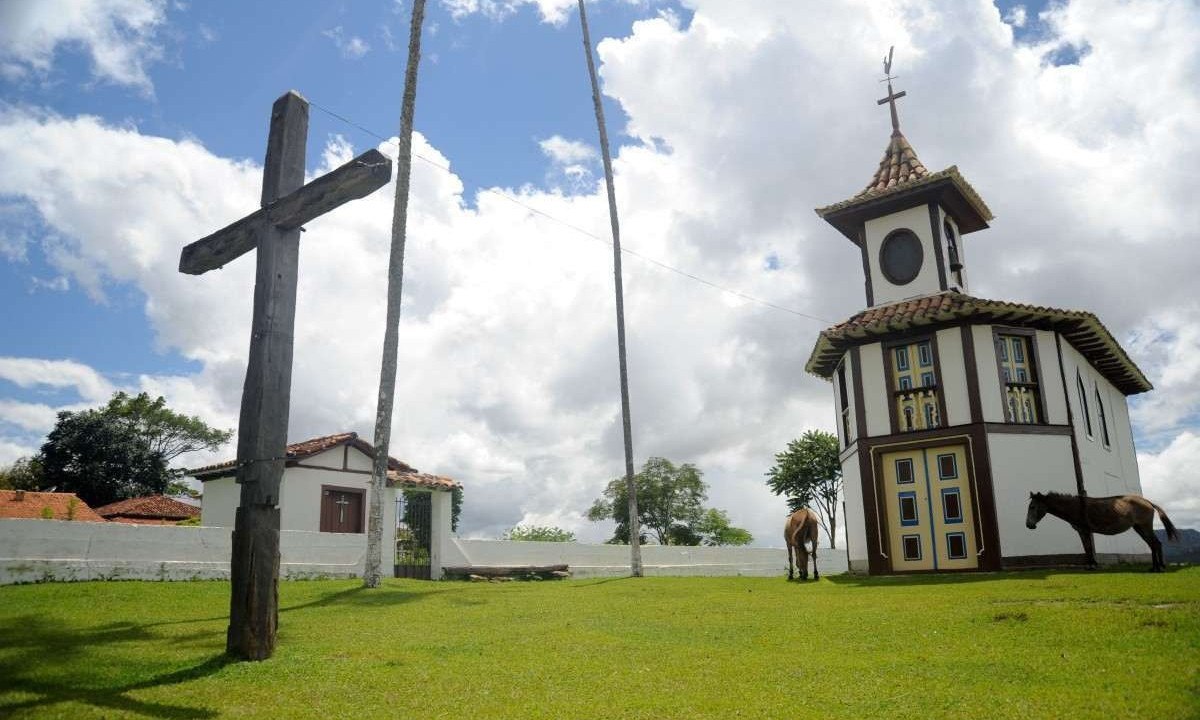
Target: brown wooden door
341,510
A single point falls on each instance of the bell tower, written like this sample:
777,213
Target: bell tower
907,222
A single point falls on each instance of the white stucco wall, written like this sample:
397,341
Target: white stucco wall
855,520
876,396
991,395
917,220
587,560
1050,378
953,380
219,505
45,550
1108,470
1026,463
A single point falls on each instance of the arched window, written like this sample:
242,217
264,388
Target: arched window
1083,404
1102,416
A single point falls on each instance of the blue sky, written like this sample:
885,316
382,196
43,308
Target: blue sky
730,121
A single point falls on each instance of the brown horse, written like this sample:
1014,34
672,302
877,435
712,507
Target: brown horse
1107,516
801,528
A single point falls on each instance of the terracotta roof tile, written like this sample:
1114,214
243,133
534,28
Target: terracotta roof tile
306,449
899,165
1082,329
420,479
25,504
151,506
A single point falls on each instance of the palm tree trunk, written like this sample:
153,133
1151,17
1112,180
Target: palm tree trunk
387,374
635,550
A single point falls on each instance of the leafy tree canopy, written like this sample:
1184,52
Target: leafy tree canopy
670,505
24,474
539,533
809,474
122,449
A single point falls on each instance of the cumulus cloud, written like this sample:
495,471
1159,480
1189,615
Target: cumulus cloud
740,122
554,12
1169,478
121,37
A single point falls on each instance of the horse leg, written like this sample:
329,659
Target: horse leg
816,573
1157,564
789,547
802,558
1089,547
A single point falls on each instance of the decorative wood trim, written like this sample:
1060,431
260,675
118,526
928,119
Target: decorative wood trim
972,369
936,227
877,542
1062,370
889,371
1027,429
346,457
860,409
943,417
866,262
296,463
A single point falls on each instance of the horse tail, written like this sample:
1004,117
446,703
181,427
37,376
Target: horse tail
1172,533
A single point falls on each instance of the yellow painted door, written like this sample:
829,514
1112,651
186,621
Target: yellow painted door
929,511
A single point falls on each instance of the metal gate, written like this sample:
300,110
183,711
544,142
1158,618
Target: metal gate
414,530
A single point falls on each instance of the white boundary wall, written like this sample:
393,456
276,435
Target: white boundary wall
613,560
58,550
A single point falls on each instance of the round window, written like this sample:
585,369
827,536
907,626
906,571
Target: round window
900,256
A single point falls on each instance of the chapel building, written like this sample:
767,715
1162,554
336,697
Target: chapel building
952,408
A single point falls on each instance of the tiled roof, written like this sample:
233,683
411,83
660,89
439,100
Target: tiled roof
151,506
305,449
1082,329
31,504
899,165
399,472
913,182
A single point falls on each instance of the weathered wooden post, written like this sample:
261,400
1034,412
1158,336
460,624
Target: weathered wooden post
274,230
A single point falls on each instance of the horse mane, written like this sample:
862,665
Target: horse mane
1059,495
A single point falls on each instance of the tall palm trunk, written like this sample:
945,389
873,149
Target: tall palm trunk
635,549
387,373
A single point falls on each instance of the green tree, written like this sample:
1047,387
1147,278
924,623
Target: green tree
122,449
809,474
538,533
670,505
100,459
167,433
24,474
714,529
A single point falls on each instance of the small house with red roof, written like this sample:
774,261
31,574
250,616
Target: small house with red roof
148,510
46,506
952,408
325,489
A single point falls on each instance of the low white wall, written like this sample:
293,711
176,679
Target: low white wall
613,560
45,550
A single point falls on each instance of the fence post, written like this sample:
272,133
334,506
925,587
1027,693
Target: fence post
439,538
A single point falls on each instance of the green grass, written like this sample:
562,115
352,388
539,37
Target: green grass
1026,645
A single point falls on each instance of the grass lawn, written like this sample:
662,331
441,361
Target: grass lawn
1109,644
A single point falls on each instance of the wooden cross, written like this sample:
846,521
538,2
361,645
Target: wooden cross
274,231
892,97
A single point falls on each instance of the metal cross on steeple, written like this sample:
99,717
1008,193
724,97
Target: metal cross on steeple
892,97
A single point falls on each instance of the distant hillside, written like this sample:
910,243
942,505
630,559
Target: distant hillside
1187,550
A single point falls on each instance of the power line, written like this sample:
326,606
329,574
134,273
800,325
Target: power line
572,226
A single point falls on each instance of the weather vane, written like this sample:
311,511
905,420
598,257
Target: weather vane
892,97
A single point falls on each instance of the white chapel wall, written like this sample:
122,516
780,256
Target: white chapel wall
991,396
917,220
1031,463
875,391
1050,382
855,520
221,499
1108,470
953,382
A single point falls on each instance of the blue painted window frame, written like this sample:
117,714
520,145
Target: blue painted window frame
912,475
950,548
953,459
916,514
925,354
927,379
902,358
946,492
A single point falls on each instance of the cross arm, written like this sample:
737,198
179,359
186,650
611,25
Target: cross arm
356,179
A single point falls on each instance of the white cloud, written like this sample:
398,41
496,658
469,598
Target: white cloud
90,385
352,48
554,12
507,368
121,37
567,152
1016,16
1169,478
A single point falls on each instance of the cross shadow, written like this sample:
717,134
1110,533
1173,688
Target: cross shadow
45,662
963,578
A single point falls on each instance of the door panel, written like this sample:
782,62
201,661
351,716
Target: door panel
929,509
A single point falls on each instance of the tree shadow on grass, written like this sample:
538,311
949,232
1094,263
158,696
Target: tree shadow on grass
963,578
61,662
